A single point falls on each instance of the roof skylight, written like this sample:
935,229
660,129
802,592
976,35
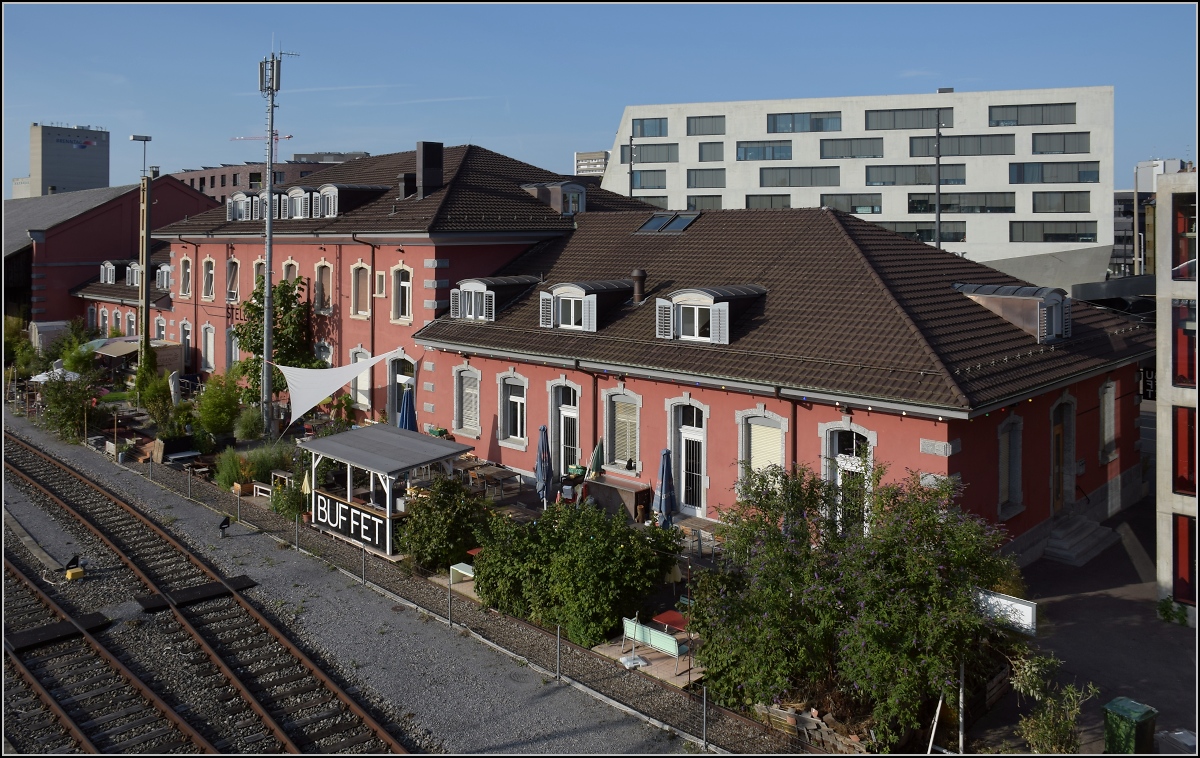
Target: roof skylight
667,222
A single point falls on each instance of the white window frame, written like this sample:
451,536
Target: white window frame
324,351
832,464
668,317
380,289
260,269
573,318
583,308
294,266
745,418
682,309
209,284
103,322
401,295
357,293
185,326
131,324
1108,451
160,328
133,275
1010,499
472,301
329,203
185,277
233,275
675,442
208,346
327,290
555,418
505,435
474,432
610,397
361,395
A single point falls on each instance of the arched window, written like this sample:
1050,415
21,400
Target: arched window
398,370
231,280
513,390
185,339
622,429
466,401
160,328
761,436
291,270
260,271
360,385
185,277
210,277
91,317
1008,438
162,277
232,352
848,451
130,324
564,423
401,294
360,293
104,322
208,347
322,292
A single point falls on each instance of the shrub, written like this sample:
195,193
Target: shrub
264,460
232,469
249,424
71,406
289,501
157,398
217,408
1053,725
440,527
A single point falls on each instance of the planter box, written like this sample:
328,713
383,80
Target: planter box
245,489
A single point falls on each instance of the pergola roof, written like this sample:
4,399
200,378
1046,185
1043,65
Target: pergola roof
385,449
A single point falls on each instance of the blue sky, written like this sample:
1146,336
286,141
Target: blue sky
539,82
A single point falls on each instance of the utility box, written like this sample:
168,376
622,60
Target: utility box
1128,727
1178,741
74,573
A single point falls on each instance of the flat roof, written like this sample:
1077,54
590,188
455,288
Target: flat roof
385,449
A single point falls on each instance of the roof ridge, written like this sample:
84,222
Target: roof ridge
930,351
449,185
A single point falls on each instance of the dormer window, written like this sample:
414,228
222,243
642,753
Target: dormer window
108,273
570,312
1040,312
568,198
133,275
702,314
162,277
577,305
475,299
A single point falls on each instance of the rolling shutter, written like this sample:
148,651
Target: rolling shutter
766,445
470,402
664,323
589,313
454,304
546,311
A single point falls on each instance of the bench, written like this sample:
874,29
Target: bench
183,457
462,569
261,489
663,642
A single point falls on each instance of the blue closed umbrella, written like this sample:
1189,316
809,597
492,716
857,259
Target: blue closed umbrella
407,418
543,471
664,494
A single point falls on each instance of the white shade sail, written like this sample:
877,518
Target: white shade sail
309,386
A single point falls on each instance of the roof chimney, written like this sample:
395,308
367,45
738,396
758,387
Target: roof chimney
639,285
408,185
429,168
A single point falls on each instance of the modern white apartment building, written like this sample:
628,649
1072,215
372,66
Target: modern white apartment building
1175,388
1026,175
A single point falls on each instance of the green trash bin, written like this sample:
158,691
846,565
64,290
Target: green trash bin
1128,727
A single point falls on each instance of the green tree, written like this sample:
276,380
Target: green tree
218,406
70,406
866,592
76,334
291,334
440,527
147,370
1053,725
79,359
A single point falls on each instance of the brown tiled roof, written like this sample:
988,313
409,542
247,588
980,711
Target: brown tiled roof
850,309
481,192
160,253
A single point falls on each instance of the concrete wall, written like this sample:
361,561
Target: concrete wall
67,159
987,234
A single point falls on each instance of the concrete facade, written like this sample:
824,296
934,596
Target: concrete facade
987,234
219,182
1175,392
592,163
64,159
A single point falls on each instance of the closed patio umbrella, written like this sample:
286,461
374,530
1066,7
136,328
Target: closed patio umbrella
664,493
543,471
407,418
597,461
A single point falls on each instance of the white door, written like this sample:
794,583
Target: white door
568,437
690,487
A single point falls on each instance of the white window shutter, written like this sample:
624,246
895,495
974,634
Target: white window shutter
274,206
719,328
254,211
766,444
546,311
1066,317
333,205
454,304
589,313
304,207
229,211
1043,319
664,322
489,305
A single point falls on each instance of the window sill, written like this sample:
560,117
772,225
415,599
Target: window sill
323,311
620,470
1010,510
471,433
406,321
360,316
514,443
1107,459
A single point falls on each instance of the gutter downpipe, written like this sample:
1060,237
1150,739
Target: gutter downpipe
595,404
371,313
794,429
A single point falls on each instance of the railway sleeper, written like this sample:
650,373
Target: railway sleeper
280,681
92,693
141,739
123,728
336,728
76,650
60,673
106,676
310,703
366,736
209,619
281,666
281,696
102,708
102,720
246,634
313,719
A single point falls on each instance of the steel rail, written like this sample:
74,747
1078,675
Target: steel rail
374,726
122,670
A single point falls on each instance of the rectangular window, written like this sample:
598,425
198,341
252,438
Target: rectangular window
658,201
704,202
360,291
695,322
649,127
1050,173
700,125
570,312
705,177
514,402
910,118
871,147
231,281
772,150
649,179
1183,343
964,202
712,151
202,183
923,231
280,177
1183,450
828,121
1062,202
765,441
768,201
380,284
1183,237
624,433
222,180
1062,142
1010,485
665,153
1052,231
966,144
468,401
1031,115
210,285
235,179
1183,559
817,176
862,203
185,278
886,176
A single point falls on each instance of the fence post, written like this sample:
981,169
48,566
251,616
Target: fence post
189,483
450,600
558,652
239,507
364,564
704,718
150,463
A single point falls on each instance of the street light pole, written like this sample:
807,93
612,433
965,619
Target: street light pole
268,83
144,255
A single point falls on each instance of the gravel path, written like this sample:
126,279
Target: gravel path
449,692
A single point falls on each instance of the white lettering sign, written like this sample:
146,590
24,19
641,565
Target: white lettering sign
345,519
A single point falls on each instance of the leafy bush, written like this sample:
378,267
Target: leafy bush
575,566
1053,726
249,425
441,527
79,359
289,501
71,407
264,460
217,408
204,442
157,398
147,371
865,592
1169,610
232,469
115,331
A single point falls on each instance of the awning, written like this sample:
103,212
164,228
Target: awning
385,449
117,349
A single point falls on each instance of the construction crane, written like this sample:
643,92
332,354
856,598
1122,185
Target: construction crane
276,145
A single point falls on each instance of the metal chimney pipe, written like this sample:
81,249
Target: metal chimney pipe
639,285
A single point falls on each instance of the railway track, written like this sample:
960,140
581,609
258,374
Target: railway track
289,703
